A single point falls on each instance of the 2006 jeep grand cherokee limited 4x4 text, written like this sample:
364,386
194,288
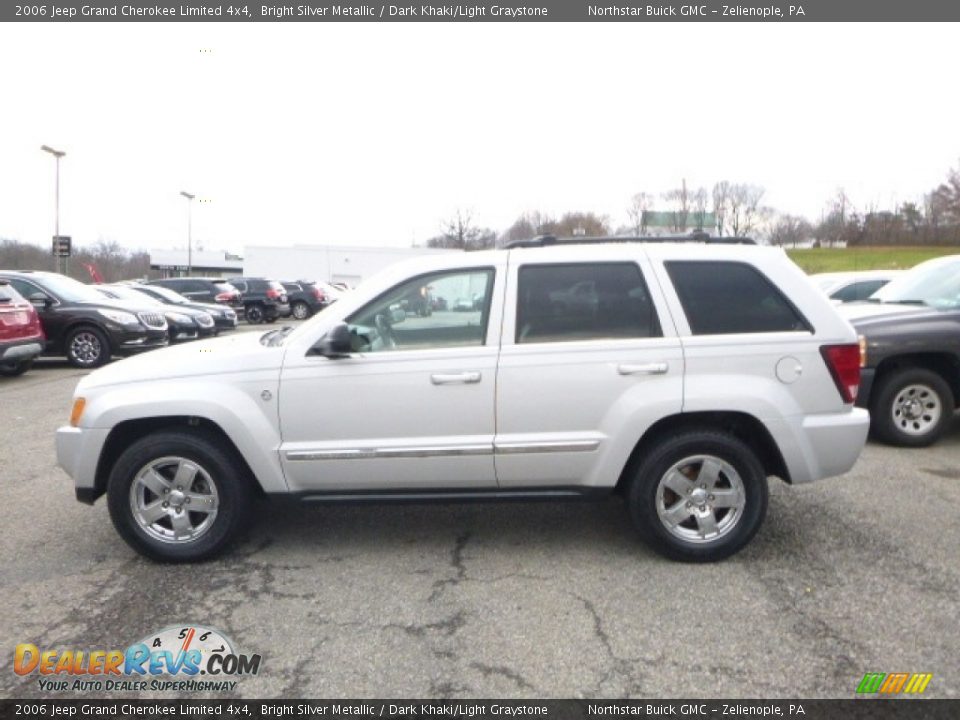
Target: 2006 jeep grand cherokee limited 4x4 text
688,374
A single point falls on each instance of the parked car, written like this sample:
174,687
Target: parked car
263,300
706,369
183,323
82,324
306,298
21,336
205,290
224,317
847,287
910,340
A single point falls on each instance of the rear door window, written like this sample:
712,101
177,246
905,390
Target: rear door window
721,298
584,301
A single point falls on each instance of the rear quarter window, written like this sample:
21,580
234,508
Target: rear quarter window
725,298
8,295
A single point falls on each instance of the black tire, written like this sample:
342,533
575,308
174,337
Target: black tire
87,347
741,524
901,388
234,490
300,310
15,369
255,314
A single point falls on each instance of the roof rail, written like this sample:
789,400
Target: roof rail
696,237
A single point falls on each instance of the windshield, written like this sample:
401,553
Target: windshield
935,283
171,295
69,289
128,295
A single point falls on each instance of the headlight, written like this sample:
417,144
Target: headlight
118,316
179,318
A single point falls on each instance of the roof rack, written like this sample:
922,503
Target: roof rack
696,237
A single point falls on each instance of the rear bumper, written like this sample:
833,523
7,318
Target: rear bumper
821,446
21,350
78,452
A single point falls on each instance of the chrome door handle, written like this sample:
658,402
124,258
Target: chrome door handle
656,368
455,378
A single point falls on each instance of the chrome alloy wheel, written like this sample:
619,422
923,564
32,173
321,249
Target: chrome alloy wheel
700,499
174,500
301,311
916,409
86,348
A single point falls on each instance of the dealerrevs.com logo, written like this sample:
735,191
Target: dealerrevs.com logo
180,658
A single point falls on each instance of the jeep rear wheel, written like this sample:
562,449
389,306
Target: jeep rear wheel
699,496
178,497
301,311
912,407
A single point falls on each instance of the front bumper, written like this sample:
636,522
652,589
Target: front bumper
125,342
78,452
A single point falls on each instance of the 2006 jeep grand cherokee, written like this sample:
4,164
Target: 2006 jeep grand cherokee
680,375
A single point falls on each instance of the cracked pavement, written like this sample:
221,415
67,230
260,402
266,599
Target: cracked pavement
848,575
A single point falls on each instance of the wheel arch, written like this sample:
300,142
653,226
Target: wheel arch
129,431
943,364
743,426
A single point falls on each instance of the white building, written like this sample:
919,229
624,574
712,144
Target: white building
202,263
330,263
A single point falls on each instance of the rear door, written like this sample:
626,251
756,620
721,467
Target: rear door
589,359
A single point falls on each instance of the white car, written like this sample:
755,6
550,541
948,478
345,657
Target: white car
700,371
844,287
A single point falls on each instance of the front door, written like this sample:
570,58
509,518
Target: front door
413,406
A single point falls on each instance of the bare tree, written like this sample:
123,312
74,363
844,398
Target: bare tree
789,230
721,193
680,199
744,213
700,200
640,205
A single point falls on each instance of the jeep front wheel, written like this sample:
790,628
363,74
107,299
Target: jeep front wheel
911,408
178,497
699,496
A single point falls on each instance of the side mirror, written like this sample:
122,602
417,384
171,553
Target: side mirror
337,343
397,314
39,299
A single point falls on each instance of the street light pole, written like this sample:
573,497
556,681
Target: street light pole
57,154
189,198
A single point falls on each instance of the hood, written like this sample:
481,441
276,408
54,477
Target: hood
240,353
855,312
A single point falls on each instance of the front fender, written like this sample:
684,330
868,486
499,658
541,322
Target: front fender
246,411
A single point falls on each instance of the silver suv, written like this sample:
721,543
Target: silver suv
678,375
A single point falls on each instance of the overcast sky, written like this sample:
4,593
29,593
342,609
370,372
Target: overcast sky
372,134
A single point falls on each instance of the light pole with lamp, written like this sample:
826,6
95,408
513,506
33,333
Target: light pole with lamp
189,198
59,263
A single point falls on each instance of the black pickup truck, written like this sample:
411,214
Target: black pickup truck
910,353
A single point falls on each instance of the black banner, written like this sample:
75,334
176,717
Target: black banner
508,11
867,709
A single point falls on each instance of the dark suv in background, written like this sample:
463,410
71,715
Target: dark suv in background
206,290
263,300
306,298
84,325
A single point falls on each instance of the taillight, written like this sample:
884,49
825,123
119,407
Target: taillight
224,297
318,293
272,294
843,362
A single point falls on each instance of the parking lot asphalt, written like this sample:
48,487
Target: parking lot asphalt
849,575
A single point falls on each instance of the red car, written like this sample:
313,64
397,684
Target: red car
21,337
